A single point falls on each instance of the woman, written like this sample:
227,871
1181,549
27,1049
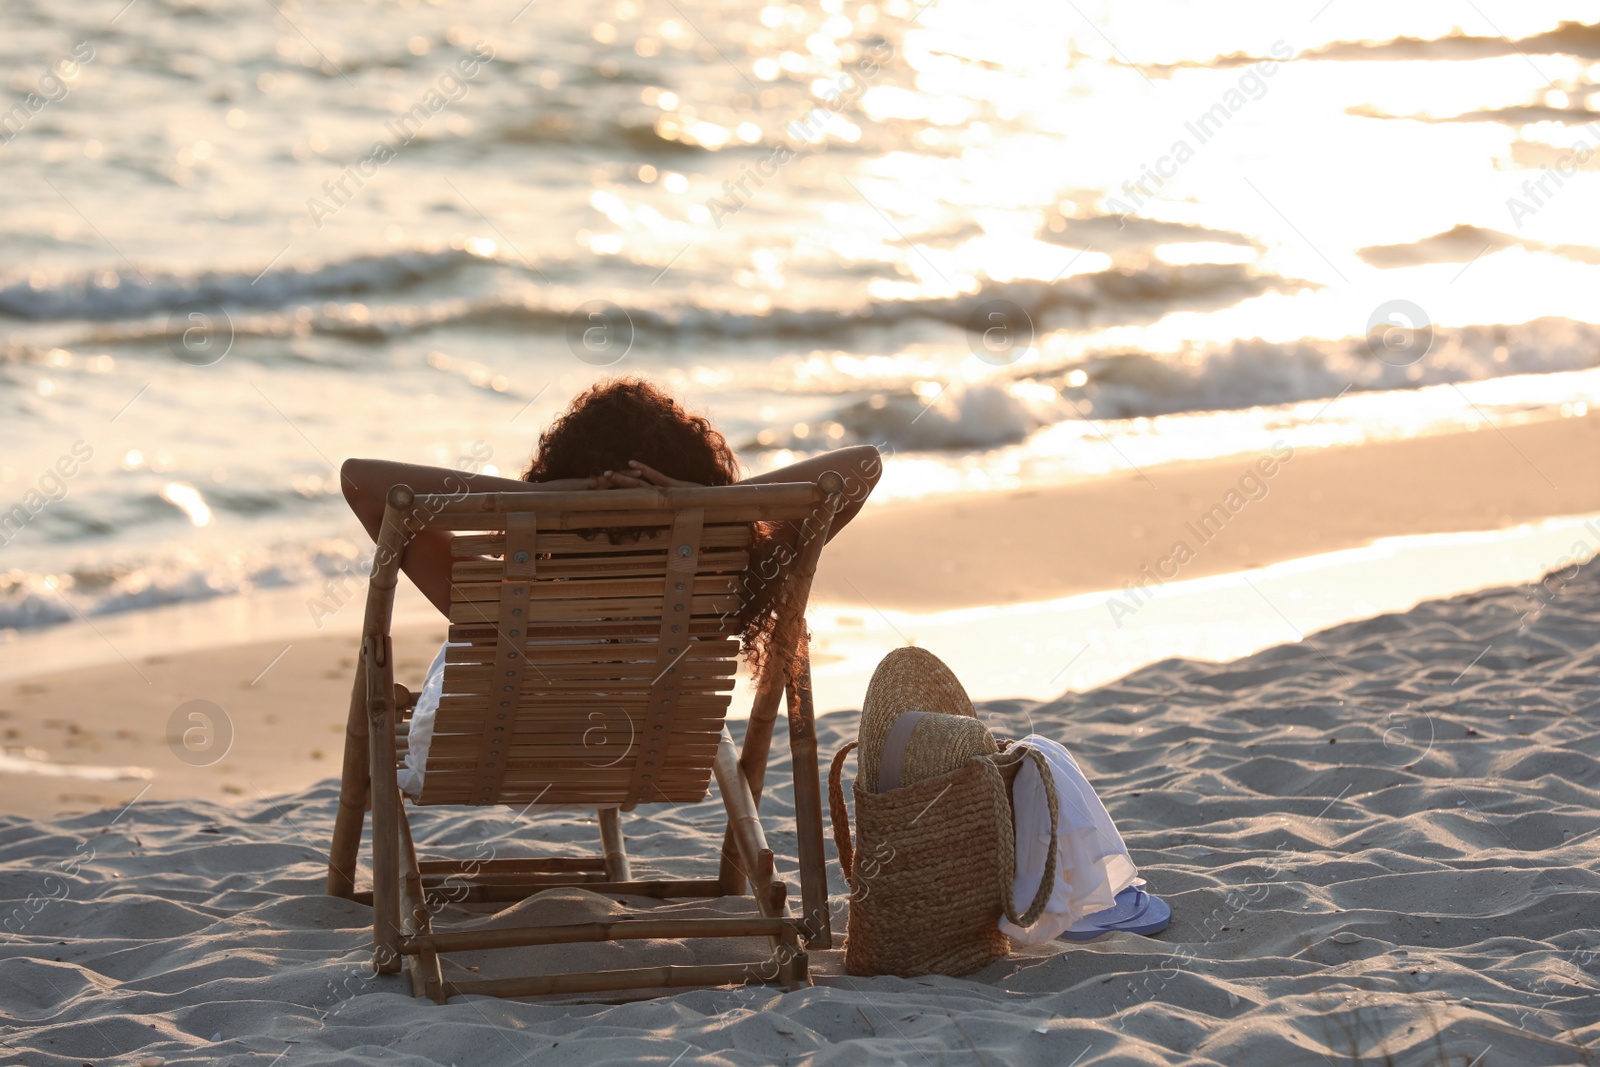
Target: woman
620,434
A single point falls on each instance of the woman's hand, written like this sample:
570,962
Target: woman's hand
567,485
640,476
629,479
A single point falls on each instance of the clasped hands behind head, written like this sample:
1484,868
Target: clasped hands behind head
637,476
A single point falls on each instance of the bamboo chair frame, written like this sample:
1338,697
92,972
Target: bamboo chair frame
576,639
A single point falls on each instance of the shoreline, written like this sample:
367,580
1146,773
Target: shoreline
1042,544
913,555
1002,618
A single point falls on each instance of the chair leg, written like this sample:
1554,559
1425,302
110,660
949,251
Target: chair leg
417,918
427,976
753,762
386,813
614,847
793,969
386,889
815,918
744,825
354,795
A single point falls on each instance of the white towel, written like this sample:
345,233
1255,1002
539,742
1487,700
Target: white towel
1092,863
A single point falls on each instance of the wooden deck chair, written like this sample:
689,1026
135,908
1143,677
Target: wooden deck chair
564,622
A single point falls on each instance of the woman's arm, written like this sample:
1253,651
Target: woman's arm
427,558
859,465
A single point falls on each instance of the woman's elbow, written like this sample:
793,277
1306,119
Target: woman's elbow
868,465
863,466
350,480
356,479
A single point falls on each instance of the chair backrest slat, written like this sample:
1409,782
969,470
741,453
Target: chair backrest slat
596,520
676,604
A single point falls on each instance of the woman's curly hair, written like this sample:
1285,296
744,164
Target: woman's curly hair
624,419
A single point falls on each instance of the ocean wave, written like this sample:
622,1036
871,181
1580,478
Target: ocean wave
570,128
1135,233
1256,373
964,416
1463,244
1518,116
1117,296
142,500
1245,374
110,294
1567,39
31,600
291,302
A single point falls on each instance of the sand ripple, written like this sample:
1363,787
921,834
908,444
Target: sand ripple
1379,844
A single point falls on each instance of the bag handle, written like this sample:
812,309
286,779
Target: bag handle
837,809
1008,878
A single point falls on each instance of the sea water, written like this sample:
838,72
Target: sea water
1007,242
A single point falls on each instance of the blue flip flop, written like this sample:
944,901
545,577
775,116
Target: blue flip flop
1135,912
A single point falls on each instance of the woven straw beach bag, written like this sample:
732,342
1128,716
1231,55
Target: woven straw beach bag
933,862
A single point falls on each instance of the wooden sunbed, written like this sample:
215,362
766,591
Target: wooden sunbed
603,636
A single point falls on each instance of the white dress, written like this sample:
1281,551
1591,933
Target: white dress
1092,863
420,738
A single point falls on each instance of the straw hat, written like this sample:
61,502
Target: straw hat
913,679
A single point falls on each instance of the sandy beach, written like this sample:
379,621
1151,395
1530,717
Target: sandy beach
1046,543
1379,845
1378,842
